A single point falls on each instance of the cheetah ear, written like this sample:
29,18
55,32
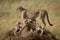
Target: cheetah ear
22,8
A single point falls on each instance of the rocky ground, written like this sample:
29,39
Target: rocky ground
47,35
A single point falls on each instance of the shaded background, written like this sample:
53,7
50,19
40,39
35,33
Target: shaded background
9,16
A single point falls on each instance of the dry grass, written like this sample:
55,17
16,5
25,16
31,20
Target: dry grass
9,16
